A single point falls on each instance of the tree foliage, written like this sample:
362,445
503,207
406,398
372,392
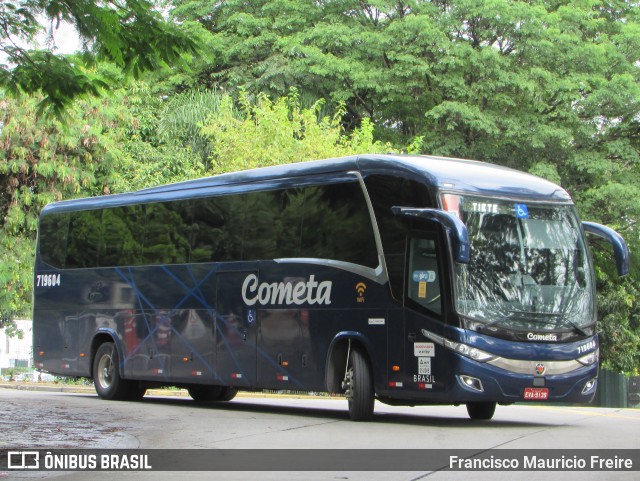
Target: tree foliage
550,87
129,33
265,132
547,86
41,162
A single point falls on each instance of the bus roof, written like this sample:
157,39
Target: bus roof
438,173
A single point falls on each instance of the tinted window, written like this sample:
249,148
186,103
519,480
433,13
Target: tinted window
123,234
328,222
53,239
218,229
336,225
85,235
167,233
423,278
386,192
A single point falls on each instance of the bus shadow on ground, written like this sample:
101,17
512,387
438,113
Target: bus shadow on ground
339,413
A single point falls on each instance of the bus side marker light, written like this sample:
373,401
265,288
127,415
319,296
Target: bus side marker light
41,353
82,354
395,368
196,373
395,384
236,375
282,378
185,359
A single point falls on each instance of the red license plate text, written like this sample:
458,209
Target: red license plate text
536,393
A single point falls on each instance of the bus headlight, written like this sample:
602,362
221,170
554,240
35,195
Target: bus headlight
467,351
590,358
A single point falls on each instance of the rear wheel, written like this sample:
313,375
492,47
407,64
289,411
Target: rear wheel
481,410
358,385
227,394
106,374
205,393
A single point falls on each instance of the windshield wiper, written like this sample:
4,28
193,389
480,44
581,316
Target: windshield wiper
578,328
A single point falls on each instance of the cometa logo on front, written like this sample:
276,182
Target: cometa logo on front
541,337
287,293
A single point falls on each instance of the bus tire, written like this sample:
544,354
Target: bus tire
136,393
205,393
481,410
106,374
227,394
359,384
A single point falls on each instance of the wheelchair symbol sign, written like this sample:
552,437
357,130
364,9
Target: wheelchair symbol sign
522,212
251,317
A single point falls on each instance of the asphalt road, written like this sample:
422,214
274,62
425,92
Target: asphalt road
55,420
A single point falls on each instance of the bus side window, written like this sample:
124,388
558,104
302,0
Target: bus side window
423,275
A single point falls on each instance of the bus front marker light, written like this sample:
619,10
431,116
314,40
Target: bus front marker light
471,382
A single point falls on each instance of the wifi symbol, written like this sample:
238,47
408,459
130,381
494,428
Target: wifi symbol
360,288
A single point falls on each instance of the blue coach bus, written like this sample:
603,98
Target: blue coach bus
413,280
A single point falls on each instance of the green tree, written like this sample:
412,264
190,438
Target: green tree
41,162
266,132
550,87
130,33
106,145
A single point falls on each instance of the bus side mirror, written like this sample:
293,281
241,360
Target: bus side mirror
620,248
453,225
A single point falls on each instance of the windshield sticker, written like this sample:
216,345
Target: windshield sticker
424,276
522,212
422,290
483,207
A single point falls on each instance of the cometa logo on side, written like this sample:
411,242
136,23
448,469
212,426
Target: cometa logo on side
287,293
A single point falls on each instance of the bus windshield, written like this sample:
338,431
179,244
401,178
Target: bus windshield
528,269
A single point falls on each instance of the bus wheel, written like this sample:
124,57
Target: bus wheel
106,376
136,393
358,385
227,394
481,410
205,393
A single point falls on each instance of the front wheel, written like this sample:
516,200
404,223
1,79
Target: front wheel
358,384
481,410
106,374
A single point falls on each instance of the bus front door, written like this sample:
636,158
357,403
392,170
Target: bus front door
426,369
236,327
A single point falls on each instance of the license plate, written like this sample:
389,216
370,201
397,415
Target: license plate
536,393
